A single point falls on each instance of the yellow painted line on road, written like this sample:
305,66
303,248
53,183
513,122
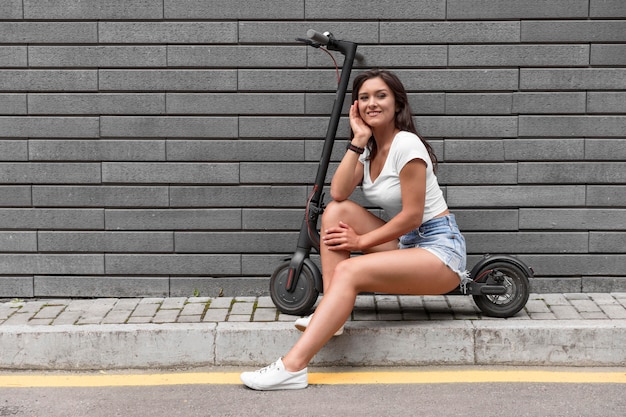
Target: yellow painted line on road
322,378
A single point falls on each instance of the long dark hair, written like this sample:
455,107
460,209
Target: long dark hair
404,118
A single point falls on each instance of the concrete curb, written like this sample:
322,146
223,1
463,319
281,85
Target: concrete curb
372,343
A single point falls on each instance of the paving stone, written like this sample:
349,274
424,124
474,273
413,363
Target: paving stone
193,309
215,315
614,312
49,312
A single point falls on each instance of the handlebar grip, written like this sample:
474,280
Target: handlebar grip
317,37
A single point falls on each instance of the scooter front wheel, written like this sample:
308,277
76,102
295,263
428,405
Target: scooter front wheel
513,278
301,300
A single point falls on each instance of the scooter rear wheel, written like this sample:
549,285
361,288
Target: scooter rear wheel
516,282
301,300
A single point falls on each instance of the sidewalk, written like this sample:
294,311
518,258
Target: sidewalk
554,329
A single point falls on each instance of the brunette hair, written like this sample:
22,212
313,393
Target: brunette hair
403,119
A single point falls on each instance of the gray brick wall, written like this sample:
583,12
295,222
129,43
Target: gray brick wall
164,147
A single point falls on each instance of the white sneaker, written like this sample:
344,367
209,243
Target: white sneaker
303,322
275,377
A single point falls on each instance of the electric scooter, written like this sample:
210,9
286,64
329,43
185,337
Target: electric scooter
499,284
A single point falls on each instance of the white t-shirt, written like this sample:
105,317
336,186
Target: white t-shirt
385,191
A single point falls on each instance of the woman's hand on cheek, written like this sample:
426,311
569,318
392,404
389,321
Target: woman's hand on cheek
361,130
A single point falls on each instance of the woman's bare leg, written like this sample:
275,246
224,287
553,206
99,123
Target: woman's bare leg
407,271
361,220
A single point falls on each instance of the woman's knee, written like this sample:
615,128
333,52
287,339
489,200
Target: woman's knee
346,275
337,210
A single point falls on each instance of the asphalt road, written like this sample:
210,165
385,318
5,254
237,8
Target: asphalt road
403,392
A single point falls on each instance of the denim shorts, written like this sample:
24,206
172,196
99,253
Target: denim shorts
440,236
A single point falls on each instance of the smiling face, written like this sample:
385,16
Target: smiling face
377,103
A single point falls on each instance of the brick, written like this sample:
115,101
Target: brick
147,80
512,9
235,9
101,286
48,219
48,80
460,173
402,9
13,150
13,56
608,54
492,220
477,103
607,8
235,103
229,242
606,195
50,173
237,196
39,127
607,242
180,219
48,32
16,286
113,242
518,55
286,80
459,79
15,196
573,219
236,56
285,31
605,149
96,150
170,172
449,32
93,9
96,56
173,264
167,32
572,126
573,31
527,242
13,104
466,126
18,242
401,56
592,265
11,9
606,102
282,127
100,103
544,149
605,284
272,219
172,126
51,264
283,173
516,196
572,79
572,172
550,103
238,150
100,196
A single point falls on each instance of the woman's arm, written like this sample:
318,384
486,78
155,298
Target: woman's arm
413,189
350,171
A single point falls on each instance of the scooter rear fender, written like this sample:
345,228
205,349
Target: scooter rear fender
489,259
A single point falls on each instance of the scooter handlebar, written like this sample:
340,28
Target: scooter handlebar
322,39
317,37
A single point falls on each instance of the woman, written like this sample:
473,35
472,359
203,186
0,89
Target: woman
419,251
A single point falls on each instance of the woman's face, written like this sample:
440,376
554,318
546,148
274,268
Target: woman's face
377,104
